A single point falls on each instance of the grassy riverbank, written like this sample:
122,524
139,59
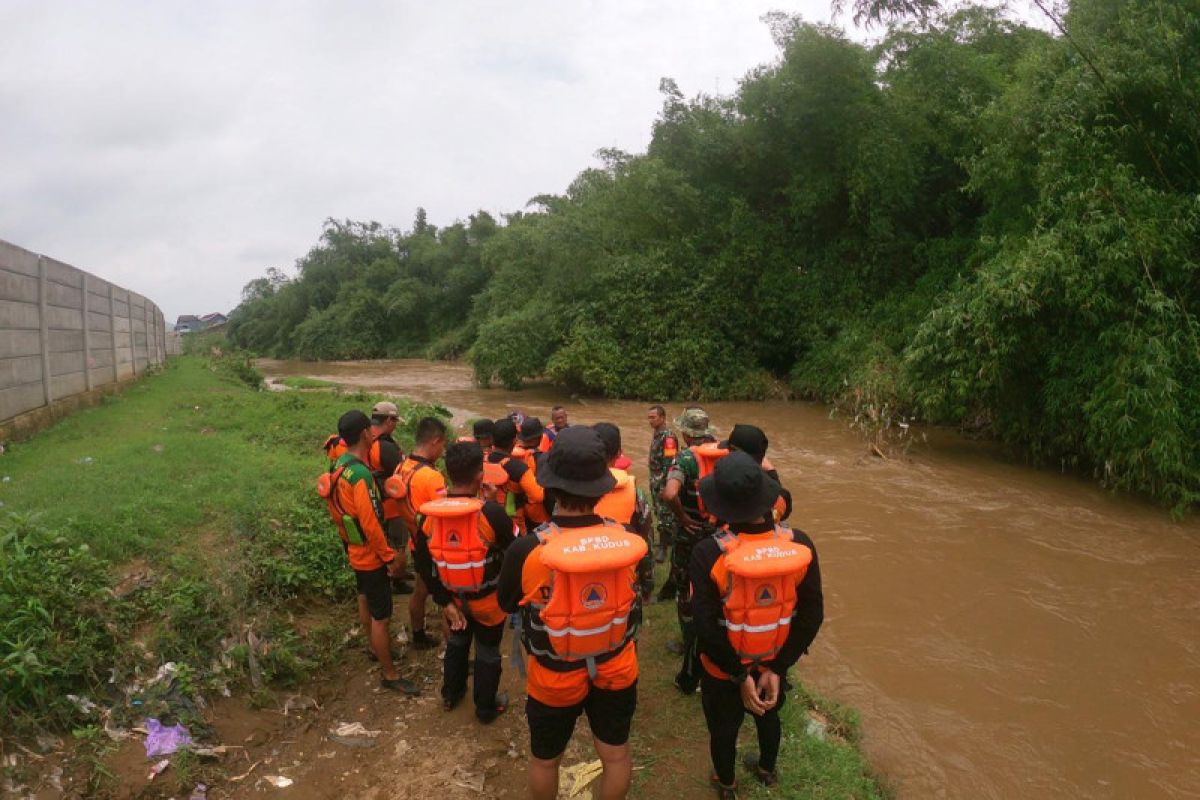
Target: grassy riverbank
175,523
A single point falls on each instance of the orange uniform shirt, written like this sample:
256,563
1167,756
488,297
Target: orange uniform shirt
355,495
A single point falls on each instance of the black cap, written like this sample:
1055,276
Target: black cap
352,424
610,434
749,439
504,431
483,427
738,491
531,428
576,464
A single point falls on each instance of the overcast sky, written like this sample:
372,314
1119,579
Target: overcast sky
181,148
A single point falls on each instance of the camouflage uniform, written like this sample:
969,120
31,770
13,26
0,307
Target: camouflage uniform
663,449
686,469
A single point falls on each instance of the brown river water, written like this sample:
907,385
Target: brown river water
1005,632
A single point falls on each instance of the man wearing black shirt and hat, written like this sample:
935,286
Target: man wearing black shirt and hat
745,665
751,440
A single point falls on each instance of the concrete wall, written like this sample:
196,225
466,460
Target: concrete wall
64,333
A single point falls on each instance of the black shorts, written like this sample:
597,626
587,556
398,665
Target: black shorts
609,713
375,586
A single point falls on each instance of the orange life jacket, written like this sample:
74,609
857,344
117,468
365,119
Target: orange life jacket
620,503
534,513
707,456
759,595
396,486
545,444
466,563
346,524
495,475
399,486
506,495
391,506
334,447
592,592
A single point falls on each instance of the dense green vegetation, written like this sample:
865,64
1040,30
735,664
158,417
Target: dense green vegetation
972,221
165,525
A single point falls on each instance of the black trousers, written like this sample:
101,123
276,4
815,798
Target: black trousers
690,669
487,665
724,712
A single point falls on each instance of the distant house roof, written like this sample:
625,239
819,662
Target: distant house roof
216,316
186,318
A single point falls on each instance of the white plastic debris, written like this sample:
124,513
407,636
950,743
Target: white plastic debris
279,781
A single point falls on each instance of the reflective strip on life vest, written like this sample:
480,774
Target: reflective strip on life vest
579,631
770,626
464,565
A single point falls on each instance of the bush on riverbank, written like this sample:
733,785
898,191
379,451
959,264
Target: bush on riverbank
970,220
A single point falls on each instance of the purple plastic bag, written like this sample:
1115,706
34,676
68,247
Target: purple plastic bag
162,741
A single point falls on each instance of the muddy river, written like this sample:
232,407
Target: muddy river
1005,632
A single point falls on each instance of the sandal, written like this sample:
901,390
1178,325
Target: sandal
400,685
724,792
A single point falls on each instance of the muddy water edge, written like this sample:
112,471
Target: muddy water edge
1005,632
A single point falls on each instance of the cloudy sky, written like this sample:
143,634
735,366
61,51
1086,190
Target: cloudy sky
181,148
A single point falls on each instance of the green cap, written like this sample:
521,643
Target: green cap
694,422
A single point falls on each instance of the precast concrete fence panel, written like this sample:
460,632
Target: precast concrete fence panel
65,333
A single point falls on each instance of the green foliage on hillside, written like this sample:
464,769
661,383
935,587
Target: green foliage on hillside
971,220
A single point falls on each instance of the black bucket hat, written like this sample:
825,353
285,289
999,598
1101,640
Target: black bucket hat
531,429
738,490
749,439
576,464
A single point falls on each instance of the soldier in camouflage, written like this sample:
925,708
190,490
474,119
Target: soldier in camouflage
681,495
663,448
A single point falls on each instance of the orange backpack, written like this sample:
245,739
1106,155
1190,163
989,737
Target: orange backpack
327,491
707,455
334,447
461,555
760,591
593,589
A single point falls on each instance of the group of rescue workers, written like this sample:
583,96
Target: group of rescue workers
543,528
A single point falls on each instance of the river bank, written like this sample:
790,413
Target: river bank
176,524
1004,631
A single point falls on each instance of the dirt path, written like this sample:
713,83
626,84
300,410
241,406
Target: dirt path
421,751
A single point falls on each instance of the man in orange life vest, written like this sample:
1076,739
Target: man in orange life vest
533,437
626,503
751,440
383,459
460,563
422,483
354,506
522,486
758,605
574,581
